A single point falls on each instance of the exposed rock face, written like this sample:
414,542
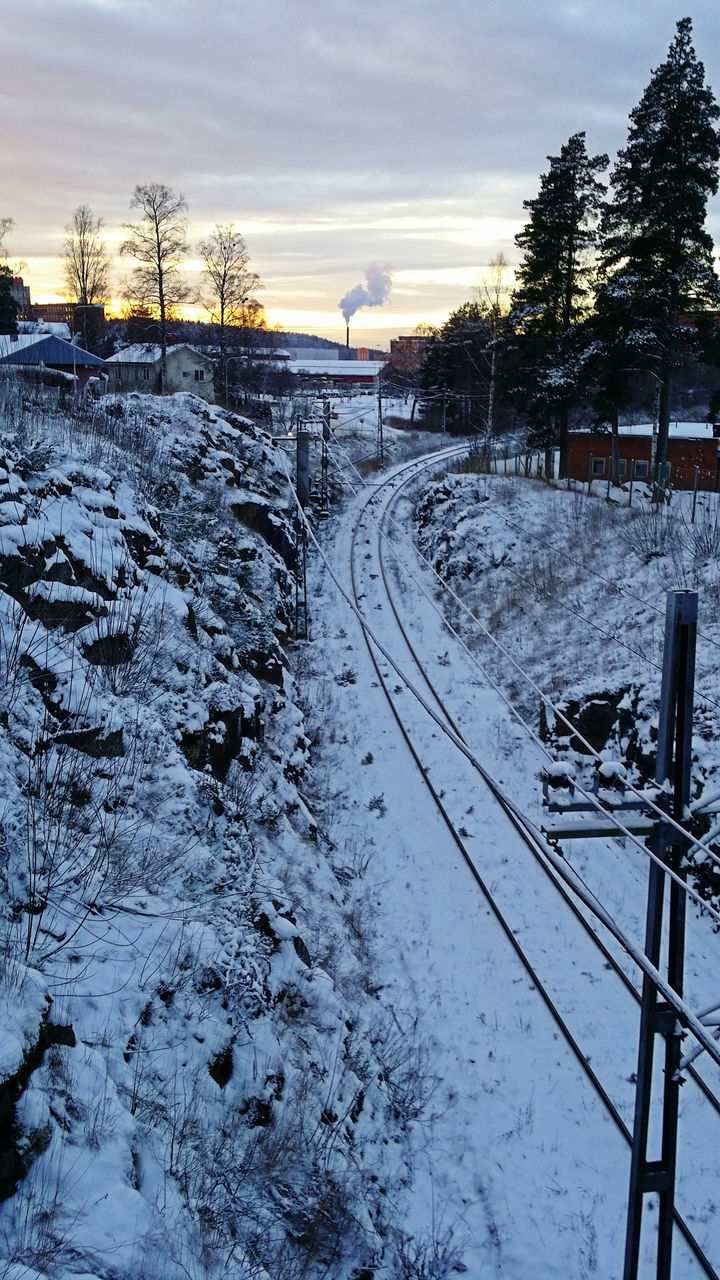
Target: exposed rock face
102,572
108,607
163,872
15,1158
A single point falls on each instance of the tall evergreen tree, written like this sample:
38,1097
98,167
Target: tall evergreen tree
8,305
656,258
554,285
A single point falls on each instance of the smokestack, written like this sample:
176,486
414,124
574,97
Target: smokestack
379,280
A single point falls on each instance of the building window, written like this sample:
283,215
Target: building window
622,468
597,467
641,469
199,375
146,374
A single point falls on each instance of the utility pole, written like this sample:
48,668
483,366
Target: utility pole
380,447
324,495
674,756
302,484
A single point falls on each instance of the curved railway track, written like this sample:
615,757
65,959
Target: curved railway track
385,494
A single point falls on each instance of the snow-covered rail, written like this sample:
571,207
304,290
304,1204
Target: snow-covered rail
583,982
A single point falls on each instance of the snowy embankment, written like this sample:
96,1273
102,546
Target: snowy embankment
196,1076
574,590
519,1171
247,1029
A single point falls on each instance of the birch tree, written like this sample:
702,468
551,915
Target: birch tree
159,244
229,283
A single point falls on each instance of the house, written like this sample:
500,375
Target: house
693,449
48,351
139,368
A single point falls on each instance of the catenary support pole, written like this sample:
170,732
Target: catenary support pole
324,494
648,1176
380,443
302,485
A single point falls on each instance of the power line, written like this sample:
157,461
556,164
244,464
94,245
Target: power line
588,796
689,1018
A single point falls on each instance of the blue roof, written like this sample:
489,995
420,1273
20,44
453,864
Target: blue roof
46,349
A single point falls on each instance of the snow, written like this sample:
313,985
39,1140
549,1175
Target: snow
593,1188
303,925
678,430
137,353
338,368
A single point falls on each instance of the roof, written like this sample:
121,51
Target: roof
151,352
138,353
339,368
37,348
58,327
678,430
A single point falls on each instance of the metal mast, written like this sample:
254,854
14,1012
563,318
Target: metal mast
657,1017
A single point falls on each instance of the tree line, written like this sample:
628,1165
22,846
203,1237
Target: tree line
158,244
616,286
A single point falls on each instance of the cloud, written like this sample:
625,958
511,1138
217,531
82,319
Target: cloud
332,134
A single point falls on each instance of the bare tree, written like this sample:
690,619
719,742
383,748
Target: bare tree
493,291
6,226
159,243
493,296
87,265
229,283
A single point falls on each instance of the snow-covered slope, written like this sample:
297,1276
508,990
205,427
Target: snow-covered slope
573,590
191,1062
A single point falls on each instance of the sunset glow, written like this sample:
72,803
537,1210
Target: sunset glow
406,137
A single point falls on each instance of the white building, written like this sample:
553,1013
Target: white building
139,368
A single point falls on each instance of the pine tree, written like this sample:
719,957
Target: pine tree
8,305
656,258
554,281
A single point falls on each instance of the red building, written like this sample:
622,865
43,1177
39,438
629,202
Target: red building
407,352
691,446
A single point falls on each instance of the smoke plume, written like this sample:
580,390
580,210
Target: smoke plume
373,293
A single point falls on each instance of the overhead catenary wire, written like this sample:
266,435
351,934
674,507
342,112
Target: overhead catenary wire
591,799
611,582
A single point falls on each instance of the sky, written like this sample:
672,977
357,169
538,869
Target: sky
336,136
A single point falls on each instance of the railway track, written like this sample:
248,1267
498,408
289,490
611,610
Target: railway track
553,970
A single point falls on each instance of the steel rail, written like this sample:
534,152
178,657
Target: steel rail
398,480
526,834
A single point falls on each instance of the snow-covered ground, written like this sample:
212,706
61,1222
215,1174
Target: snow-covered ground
521,1161
287,1037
